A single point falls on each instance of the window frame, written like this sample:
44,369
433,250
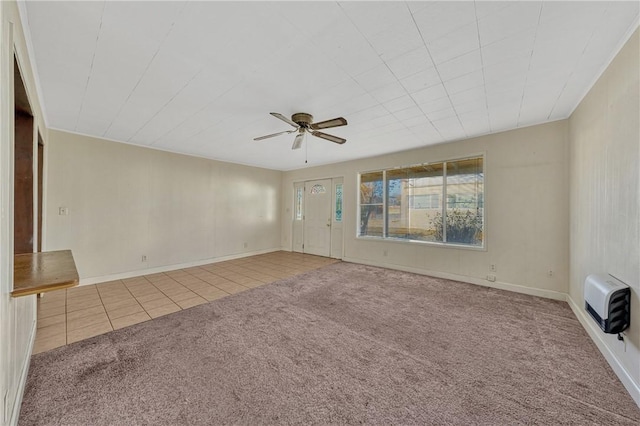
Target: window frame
443,244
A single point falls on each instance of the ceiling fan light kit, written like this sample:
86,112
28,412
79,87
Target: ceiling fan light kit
297,142
303,123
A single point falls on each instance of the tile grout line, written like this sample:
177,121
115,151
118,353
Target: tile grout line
213,285
39,303
134,298
140,302
165,294
104,307
288,261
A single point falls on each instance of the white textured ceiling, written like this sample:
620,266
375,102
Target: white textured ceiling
200,78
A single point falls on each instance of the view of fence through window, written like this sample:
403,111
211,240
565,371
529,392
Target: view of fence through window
440,202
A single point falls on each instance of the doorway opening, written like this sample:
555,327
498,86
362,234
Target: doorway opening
23,188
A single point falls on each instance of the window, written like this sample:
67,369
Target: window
439,202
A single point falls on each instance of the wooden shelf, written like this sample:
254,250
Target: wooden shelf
41,272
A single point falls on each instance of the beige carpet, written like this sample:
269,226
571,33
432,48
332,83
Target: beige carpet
344,344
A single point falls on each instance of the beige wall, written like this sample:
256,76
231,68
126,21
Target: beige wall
526,195
604,134
125,201
17,315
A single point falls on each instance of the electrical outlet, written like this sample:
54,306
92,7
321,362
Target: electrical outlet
144,257
493,268
63,211
385,252
491,277
550,273
246,245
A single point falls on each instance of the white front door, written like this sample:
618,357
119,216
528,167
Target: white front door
317,217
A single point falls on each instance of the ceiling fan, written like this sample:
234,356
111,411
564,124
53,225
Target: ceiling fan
303,123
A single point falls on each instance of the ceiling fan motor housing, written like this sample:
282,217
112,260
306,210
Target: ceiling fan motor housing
303,119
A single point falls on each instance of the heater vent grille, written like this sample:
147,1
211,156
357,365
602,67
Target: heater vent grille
619,311
607,300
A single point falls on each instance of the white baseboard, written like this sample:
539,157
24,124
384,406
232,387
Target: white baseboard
165,268
549,294
17,403
596,335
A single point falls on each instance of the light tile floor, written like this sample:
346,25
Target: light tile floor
67,316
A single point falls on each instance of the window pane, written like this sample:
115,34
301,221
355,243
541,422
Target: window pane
414,201
371,220
317,189
371,210
299,192
339,202
371,188
465,194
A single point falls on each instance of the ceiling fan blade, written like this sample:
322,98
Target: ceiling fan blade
272,135
297,142
334,122
283,118
328,137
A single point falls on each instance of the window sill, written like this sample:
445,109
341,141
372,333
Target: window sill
422,243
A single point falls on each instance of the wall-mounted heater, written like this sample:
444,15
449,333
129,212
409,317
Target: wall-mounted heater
608,301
